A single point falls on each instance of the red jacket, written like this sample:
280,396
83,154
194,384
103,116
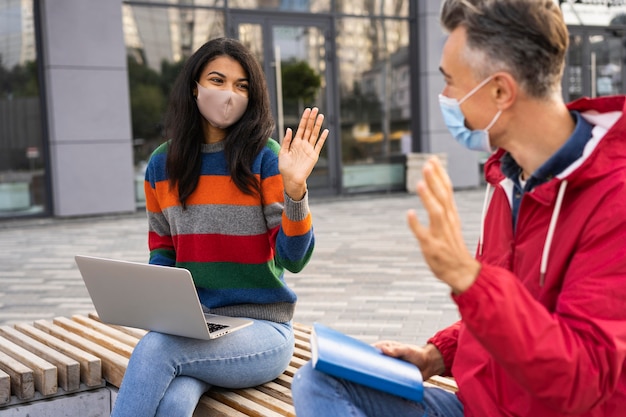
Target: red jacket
553,343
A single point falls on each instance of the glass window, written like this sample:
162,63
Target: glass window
606,64
592,12
309,6
195,3
375,101
297,75
22,163
158,41
395,8
574,69
594,63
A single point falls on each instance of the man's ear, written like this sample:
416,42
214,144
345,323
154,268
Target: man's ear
506,90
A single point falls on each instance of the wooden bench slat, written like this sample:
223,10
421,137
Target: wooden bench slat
107,330
279,389
301,344
21,377
284,380
68,369
300,334
274,403
90,334
302,328
291,370
300,353
111,346
113,364
446,383
210,407
297,362
5,388
243,404
280,393
44,373
90,365
131,331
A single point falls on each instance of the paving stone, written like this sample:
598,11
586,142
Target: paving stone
367,276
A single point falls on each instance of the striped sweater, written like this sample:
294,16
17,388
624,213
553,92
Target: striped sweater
236,246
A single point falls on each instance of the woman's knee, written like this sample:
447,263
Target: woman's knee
153,348
155,343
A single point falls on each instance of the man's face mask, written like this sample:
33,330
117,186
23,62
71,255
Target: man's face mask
477,140
221,108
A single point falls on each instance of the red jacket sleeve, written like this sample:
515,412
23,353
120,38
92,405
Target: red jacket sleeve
446,341
570,359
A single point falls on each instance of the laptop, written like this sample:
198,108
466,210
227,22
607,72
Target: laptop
151,297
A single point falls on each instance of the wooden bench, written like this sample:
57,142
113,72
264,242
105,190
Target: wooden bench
51,358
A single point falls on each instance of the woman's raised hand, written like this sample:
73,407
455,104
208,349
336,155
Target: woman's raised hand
299,153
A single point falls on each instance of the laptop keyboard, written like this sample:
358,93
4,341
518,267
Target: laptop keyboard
213,327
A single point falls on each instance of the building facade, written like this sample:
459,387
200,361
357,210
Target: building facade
84,84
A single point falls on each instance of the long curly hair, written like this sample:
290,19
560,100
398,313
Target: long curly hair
183,122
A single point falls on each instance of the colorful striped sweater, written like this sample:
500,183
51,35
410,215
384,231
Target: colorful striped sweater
236,246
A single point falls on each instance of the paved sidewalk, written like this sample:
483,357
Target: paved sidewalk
367,276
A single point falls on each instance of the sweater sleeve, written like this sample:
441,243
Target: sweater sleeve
160,241
289,222
295,240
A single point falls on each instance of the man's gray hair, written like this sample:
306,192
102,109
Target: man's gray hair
527,38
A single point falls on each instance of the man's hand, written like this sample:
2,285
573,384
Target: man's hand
428,358
442,241
299,154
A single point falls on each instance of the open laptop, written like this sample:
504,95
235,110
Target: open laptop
151,297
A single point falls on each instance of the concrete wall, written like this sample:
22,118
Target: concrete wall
92,403
463,165
88,107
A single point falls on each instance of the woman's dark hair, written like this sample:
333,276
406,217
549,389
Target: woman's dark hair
183,122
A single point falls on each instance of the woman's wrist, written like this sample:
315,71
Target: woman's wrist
296,193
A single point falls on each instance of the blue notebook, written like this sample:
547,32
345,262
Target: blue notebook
342,356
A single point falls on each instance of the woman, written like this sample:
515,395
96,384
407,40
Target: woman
230,204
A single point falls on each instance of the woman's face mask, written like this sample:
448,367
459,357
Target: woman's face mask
477,140
221,108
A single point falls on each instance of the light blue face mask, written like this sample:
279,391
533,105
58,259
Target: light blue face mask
476,140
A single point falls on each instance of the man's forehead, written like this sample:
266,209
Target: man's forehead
452,54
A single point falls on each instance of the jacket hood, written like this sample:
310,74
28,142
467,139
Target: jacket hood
601,153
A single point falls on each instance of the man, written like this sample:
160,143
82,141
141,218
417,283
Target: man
543,302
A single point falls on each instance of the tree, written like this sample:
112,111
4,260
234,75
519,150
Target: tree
300,82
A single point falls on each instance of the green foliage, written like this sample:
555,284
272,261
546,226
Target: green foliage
147,104
300,81
149,91
169,72
20,81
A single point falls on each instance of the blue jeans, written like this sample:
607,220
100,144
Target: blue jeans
318,394
167,375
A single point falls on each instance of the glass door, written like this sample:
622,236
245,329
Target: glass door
295,55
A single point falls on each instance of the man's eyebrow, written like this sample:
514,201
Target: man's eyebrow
444,73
